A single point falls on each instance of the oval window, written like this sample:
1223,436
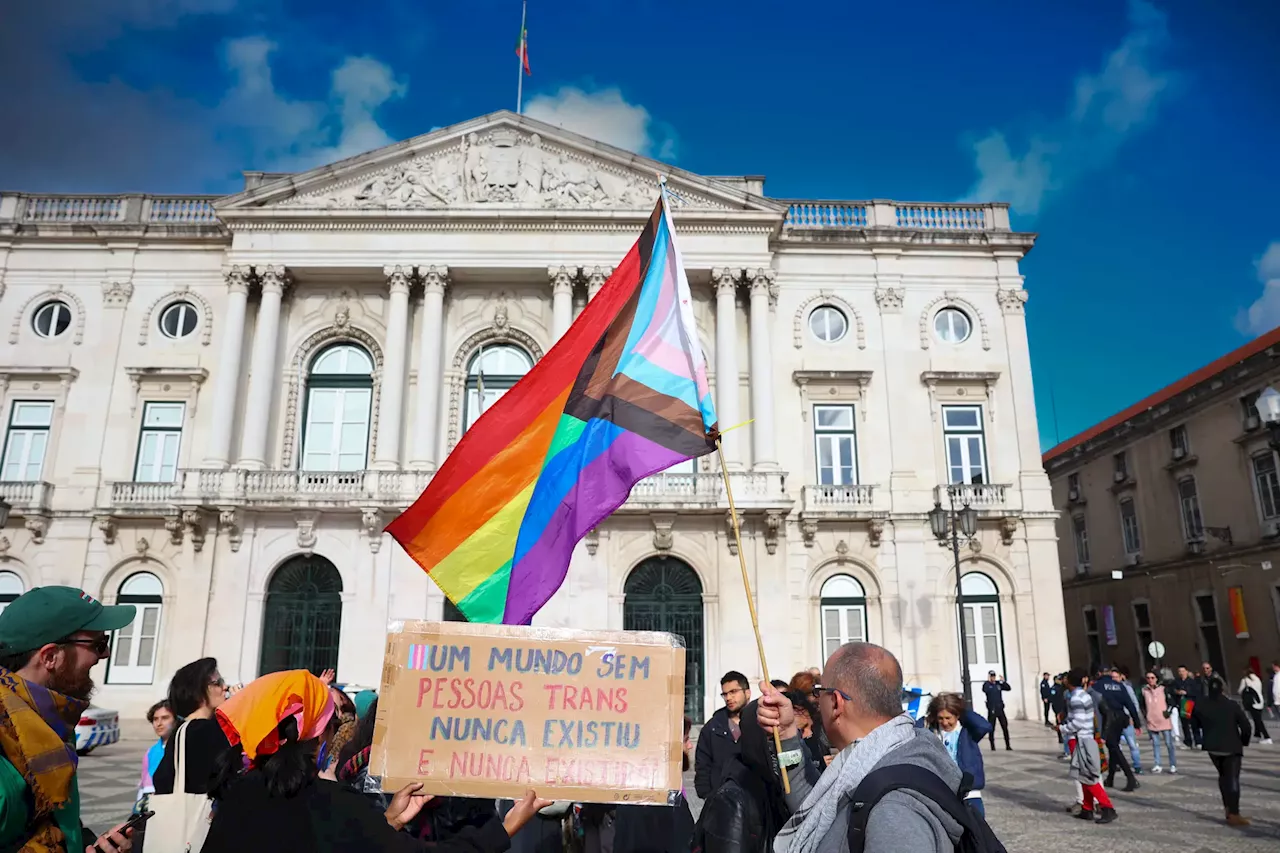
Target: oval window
179,320
952,326
51,319
828,323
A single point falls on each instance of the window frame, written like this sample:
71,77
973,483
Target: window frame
51,303
184,304
1093,636
1080,535
1139,631
1179,439
1134,546
7,598
827,306
949,432
1188,534
851,432
336,382
144,674
504,382
948,310
1260,497
844,607
29,430
144,430
1120,465
1201,624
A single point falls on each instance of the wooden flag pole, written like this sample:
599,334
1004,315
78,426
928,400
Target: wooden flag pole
751,602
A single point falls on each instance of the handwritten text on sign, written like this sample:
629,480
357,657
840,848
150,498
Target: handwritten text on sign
489,710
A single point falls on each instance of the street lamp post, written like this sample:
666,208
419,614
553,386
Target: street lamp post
947,526
1268,406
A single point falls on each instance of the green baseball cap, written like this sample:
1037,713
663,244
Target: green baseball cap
48,614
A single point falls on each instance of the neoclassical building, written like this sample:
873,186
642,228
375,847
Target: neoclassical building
213,406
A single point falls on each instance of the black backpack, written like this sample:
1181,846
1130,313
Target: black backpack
977,838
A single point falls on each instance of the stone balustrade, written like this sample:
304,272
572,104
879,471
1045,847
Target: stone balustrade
976,495
128,209
802,214
27,496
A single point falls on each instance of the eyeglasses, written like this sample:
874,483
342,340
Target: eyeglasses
100,646
818,690
219,682
735,691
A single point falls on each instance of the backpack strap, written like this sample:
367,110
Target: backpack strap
894,777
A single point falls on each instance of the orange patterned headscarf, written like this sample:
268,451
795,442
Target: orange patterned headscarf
250,717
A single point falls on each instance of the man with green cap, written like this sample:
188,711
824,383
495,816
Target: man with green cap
50,638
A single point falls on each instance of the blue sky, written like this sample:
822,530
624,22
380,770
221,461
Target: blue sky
1140,139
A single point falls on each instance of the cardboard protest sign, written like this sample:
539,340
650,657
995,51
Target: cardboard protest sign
490,710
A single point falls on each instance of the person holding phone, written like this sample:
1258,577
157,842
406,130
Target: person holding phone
50,638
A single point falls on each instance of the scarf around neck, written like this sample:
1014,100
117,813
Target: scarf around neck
805,829
37,731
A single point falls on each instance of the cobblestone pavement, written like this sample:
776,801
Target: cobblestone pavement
1026,792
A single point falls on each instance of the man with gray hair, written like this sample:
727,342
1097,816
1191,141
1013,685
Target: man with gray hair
860,699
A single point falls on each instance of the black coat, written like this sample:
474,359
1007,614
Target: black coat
731,822
1223,725
653,829
716,749
204,743
326,817
994,692
1046,690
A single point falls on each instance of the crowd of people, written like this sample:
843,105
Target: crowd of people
282,763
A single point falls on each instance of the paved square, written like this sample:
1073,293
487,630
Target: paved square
1026,792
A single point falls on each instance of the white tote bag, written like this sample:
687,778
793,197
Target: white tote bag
181,820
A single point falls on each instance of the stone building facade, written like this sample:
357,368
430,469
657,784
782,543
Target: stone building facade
1170,524
215,405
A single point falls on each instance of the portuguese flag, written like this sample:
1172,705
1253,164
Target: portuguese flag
522,48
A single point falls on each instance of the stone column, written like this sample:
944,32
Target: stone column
226,383
430,342
391,400
763,291
561,299
596,277
726,285
262,369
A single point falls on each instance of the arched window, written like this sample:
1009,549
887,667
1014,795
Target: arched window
133,647
11,587
491,373
983,631
338,410
302,621
665,594
844,613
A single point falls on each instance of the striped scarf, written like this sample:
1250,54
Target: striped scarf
37,734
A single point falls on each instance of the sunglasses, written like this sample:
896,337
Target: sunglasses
101,646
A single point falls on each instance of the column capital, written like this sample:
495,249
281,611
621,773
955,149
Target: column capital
272,278
237,278
596,277
764,282
398,277
725,280
562,278
433,278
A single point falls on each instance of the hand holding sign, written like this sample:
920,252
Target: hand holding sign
406,804
523,811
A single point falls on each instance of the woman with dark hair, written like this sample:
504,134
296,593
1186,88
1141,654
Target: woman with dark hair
279,802
1224,730
195,692
961,732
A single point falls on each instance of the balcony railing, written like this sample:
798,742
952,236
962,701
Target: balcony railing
976,495
27,495
839,497
134,208
196,487
802,214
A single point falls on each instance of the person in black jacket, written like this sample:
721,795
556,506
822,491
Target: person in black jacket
1187,689
1046,697
1224,731
718,740
656,829
195,692
994,689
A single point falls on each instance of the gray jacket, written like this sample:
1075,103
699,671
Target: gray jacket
902,822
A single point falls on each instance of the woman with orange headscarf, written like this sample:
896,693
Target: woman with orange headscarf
268,794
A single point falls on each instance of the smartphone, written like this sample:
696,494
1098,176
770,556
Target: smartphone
134,822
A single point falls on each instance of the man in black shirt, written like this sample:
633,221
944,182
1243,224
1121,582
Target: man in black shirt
994,689
1187,689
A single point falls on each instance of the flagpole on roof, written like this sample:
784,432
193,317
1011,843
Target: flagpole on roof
521,61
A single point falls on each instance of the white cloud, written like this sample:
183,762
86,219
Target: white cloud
290,134
1264,314
606,116
1108,107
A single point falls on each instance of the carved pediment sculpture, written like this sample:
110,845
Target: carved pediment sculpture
502,167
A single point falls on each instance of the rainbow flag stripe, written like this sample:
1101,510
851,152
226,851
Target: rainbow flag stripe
624,394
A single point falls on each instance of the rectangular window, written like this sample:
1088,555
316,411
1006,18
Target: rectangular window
1129,526
1249,411
1093,637
159,443
1121,463
336,436
1142,629
836,445
1178,441
1189,501
1210,640
1073,487
133,647
1268,484
965,444
1081,530
26,440
842,623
